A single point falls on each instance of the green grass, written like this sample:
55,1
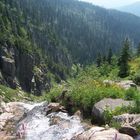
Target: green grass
8,95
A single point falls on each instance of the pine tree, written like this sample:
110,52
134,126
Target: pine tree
99,60
104,59
138,50
109,57
124,59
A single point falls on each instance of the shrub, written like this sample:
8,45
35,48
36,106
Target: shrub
136,79
130,94
115,125
136,108
108,115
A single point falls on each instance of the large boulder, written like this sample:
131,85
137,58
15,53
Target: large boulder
108,103
100,133
129,123
11,112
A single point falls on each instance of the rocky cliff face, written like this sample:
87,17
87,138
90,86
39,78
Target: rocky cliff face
17,70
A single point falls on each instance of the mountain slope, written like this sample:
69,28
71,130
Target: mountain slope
133,8
84,29
39,39
23,62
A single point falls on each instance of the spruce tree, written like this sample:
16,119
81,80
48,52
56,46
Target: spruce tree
99,60
124,59
109,57
104,59
138,50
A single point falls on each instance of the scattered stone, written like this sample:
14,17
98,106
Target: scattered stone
126,84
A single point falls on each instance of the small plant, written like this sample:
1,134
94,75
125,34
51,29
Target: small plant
130,94
136,108
138,129
115,124
108,115
136,79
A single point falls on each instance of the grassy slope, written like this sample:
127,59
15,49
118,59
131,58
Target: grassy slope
9,95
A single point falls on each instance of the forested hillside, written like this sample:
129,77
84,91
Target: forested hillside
83,29
42,39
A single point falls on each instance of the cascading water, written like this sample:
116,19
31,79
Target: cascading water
37,125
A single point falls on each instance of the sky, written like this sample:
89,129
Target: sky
111,3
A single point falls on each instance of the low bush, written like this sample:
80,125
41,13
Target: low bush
136,79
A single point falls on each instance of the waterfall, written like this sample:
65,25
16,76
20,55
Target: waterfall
38,125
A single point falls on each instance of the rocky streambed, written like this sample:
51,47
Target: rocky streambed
43,121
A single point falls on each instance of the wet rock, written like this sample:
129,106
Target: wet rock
79,114
128,119
55,107
128,122
11,112
129,130
100,133
5,136
55,120
107,103
4,118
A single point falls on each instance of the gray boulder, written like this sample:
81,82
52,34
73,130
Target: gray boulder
128,122
108,103
128,119
100,133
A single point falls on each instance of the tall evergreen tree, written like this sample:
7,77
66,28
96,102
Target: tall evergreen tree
138,50
104,59
109,57
124,59
99,60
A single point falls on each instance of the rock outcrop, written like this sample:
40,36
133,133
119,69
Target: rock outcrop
17,70
107,103
100,133
129,123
